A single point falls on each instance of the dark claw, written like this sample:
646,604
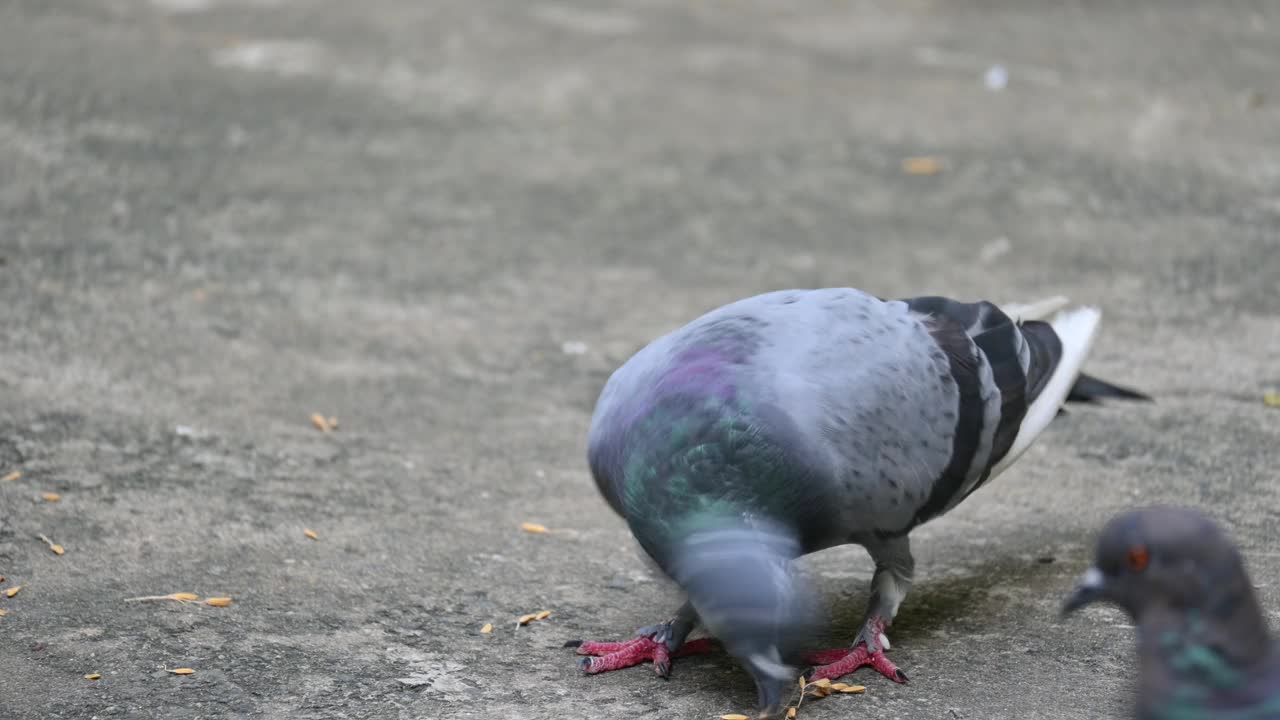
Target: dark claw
585,664
663,670
572,643
901,677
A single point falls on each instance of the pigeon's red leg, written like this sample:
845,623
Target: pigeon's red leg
868,649
894,570
658,643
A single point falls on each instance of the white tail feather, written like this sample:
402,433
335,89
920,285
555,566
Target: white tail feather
1076,330
1038,310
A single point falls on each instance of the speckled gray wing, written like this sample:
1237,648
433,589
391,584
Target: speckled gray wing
875,386
923,397
999,368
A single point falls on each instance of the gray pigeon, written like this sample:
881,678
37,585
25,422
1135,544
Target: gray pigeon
799,420
1204,649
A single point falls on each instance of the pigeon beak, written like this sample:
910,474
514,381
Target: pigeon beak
1091,588
774,682
772,698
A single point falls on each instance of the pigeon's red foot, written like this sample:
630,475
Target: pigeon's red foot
868,649
618,655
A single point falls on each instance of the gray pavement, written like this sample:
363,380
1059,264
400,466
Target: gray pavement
218,217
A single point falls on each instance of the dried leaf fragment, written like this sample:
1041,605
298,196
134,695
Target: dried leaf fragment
488,628
534,528
526,619
93,676
182,671
218,602
543,615
12,591
50,497
16,474
180,597
819,688
321,422
852,689
734,716
311,534
1271,399
925,165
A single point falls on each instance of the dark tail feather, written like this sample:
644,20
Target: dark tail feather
1089,389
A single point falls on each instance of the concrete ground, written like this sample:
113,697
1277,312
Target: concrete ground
444,223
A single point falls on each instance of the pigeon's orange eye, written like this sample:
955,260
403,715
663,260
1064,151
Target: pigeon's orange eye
1138,558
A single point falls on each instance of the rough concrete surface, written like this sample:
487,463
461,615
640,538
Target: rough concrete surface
220,216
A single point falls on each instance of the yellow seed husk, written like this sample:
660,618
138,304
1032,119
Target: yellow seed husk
820,688
853,689
12,591
542,615
93,676
734,716
184,597
50,497
311,534
57,549
3,612
488,628
182,671
526,619
791,713
921,165
534,528
218,602
321,422
12,476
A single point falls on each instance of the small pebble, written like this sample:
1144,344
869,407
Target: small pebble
996,78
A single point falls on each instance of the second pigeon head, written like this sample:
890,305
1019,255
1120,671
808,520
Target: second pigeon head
1162,558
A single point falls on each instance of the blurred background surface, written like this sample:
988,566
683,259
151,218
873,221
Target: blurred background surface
444,223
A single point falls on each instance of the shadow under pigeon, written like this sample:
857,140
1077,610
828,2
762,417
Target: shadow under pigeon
959,603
